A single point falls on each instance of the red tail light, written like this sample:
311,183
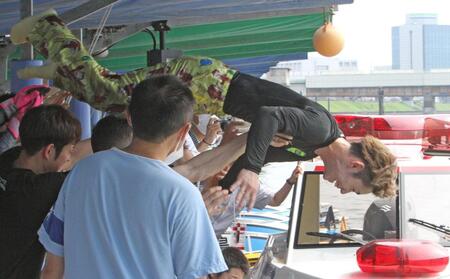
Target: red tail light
380,124
437,133
382,127
402,257
354,126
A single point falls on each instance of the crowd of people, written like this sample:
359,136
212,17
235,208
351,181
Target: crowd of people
161,177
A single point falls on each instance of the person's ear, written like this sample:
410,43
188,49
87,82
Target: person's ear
128,116
357,165
48,151
184,131
195,119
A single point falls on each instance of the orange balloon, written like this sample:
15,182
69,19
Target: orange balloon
327,40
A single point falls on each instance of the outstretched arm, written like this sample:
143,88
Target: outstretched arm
213,130
210,162
281,195
268,122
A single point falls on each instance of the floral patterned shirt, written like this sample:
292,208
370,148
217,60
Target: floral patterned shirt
208,79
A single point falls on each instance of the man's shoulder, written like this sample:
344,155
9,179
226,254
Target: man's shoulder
101,154
43,179
179,186
97,159
8,157
176,180
20,181
133,166
14,179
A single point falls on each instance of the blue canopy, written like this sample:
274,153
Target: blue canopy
177,12
257,66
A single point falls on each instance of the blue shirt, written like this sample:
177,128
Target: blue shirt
120,215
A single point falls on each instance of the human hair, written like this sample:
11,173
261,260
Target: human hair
159,107
48,124
111,131
380,171
234,258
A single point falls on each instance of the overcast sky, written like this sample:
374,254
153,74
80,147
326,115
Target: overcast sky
366,26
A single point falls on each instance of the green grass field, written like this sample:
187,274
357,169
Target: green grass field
346,106
443,107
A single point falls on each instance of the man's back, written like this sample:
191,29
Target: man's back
144,221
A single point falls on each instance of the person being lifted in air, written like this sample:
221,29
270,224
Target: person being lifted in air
364,167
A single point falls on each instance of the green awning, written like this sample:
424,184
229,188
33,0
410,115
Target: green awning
226,40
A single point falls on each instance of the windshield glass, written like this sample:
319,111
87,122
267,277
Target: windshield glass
326,216
427,204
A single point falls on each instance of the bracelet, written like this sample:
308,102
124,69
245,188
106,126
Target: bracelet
289,182
210,144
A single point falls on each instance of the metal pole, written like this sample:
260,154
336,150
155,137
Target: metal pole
84,10
26,10
161,40
79,34
429,106
4,54
380,101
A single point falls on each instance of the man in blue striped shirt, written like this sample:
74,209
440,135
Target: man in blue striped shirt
126,214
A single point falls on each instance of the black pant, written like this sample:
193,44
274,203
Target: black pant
245,96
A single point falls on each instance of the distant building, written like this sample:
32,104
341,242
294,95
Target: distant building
421,44
317,66
382,68
280,75
293,73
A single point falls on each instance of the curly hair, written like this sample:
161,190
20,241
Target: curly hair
380,171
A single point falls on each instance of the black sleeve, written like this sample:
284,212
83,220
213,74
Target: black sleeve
269,121
265,125
37,195
308,125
